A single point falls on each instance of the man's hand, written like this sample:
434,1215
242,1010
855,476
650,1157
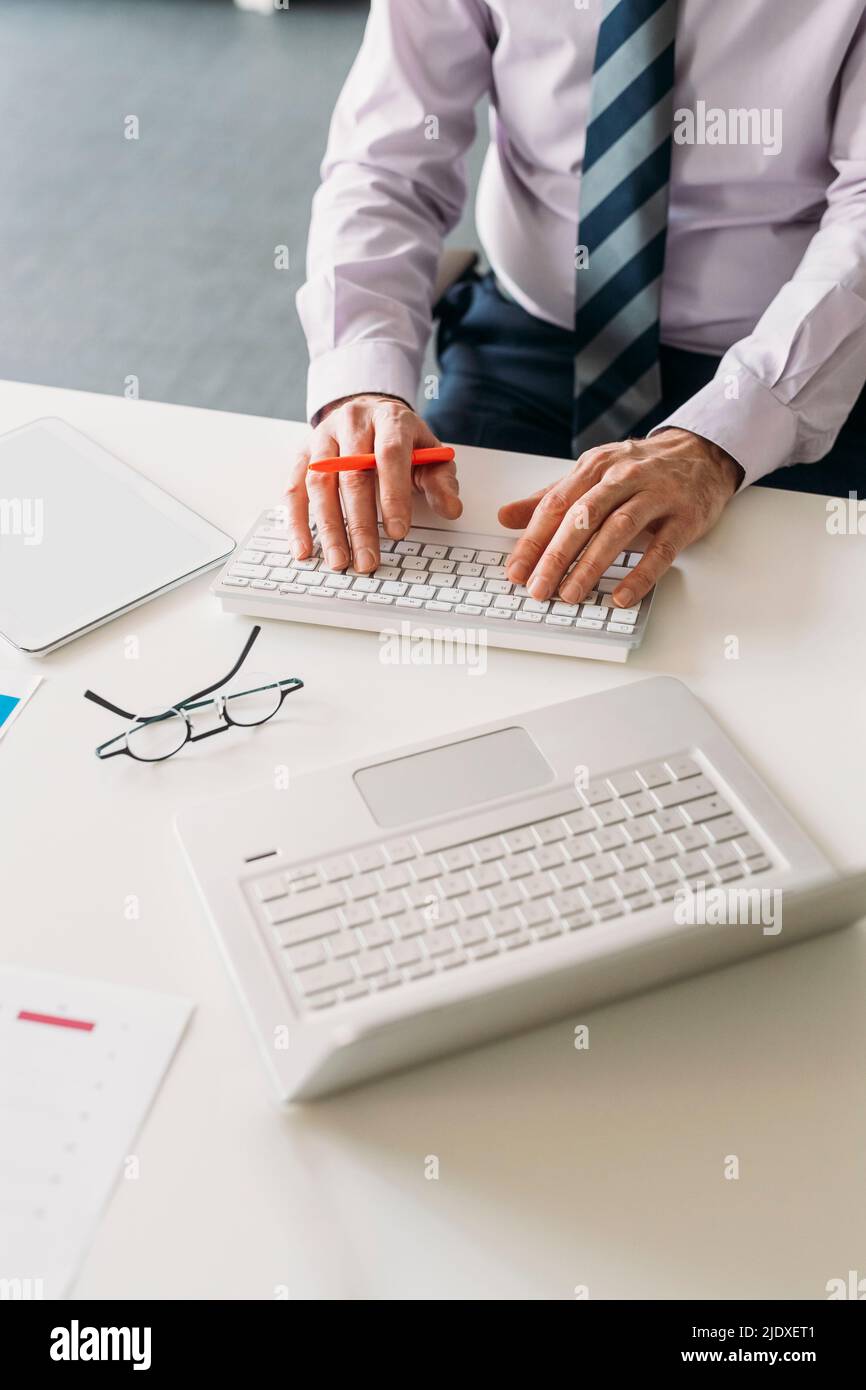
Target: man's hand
674,485
344,504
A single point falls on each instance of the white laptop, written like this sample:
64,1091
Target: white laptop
443,577
399,908
84,538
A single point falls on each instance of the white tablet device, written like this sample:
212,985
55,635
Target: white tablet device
84,538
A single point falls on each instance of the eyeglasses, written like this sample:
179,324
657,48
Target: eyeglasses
155,737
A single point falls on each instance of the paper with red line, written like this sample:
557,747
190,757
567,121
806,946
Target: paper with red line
80,1064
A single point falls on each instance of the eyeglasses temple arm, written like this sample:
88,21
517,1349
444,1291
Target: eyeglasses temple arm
106,704
208,690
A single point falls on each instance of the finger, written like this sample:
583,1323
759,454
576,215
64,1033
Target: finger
392,445
549,514
358,491
517,514
355,433
324,494
630,518
659,556
438,482
298,507
579,524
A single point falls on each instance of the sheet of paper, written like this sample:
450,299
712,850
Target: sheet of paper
15,690
80,1063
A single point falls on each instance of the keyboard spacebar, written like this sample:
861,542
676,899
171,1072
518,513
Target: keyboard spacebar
440,837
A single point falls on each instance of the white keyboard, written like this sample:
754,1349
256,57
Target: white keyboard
432,578
392,912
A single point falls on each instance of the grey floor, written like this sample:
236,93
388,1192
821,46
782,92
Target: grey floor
153,258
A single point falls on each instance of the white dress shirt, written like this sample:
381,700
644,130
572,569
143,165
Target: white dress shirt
766,251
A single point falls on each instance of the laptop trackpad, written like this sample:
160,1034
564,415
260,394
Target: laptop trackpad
453,777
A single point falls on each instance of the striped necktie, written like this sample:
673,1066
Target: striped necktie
623,223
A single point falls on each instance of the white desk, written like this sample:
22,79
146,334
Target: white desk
557,1167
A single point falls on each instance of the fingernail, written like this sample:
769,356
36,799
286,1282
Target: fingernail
517,571
365,560
538,588
297,548
624,598
397,528
337,558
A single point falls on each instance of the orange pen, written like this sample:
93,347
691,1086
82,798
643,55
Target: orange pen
352,463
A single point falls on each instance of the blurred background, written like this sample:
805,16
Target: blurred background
153,257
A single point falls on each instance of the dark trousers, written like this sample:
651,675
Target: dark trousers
506,382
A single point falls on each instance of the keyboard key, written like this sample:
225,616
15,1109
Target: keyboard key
397,851
568,610
423,591
535,914
610,812
304,904
641,804
690,837
600,866
249,571
303,957
501,923
676,793
389,904
492,848
506,601
518,840
454,885
474,904
335,870
682,766
462,555
471,933
407,548
438,943
748,847
625,783
345,943
642,828
450,962
596,792
580,846
654,775
506,895
725,828
609,836
549,831
460,857
721,855
366,586
489,875
629,857
269,888
435,552
548,856
425,868
392,588
669,820
706,807
661,847
355,914
362,886
489,557
328,976
441,567
371,963
395,876
557,620
402,953
513,867
521,938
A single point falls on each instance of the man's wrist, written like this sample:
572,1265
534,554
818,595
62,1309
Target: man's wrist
725,462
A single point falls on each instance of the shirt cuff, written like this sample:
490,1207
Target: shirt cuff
739,414
369,365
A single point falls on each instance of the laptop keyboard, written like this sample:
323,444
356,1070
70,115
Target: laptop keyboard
396,911
421,572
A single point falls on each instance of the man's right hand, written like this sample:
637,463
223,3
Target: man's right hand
343,505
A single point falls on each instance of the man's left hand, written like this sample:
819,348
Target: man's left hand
673,485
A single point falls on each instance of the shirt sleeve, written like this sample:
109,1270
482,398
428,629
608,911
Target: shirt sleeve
782,394
393,185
